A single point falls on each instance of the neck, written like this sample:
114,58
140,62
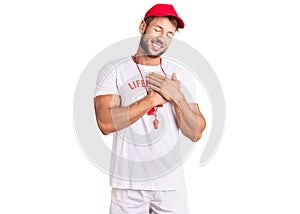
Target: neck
143,59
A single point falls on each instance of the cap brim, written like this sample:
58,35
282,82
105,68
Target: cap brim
180,22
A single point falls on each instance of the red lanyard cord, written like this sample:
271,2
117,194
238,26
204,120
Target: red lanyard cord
154,109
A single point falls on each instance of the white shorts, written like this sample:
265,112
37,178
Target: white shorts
126,201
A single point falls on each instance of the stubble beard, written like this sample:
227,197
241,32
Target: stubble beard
145,47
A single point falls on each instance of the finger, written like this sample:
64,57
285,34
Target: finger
174,77
153,74
154,88
155,78
154,82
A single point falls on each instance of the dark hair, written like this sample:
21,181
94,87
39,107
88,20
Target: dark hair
171,18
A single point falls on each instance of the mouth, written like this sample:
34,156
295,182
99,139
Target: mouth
156,46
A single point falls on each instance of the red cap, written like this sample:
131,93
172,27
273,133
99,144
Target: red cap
164,10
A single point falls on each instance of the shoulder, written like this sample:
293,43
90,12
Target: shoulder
113,64
182,71
112,68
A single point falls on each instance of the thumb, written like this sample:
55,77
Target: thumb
174,77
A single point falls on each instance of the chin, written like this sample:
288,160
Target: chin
155,54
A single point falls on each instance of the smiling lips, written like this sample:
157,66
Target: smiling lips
156,46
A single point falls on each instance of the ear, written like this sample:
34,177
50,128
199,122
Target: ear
143,27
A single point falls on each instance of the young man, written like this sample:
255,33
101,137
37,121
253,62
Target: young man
141,100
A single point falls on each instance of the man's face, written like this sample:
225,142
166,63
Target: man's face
157,36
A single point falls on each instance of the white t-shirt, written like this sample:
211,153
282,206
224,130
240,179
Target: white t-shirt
143,157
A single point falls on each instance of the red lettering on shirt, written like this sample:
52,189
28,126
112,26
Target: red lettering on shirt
137,84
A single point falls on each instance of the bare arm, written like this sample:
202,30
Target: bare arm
189,118
112,117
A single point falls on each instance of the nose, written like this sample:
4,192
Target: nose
163,38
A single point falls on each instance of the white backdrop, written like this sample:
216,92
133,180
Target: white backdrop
253,47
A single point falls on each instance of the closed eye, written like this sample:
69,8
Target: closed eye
157,29
170,34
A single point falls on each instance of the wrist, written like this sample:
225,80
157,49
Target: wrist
151,100
178,98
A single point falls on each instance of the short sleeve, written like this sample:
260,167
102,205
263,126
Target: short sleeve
107,80
188,88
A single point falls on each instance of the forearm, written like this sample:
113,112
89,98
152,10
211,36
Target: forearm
122,117
112,117
190,121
